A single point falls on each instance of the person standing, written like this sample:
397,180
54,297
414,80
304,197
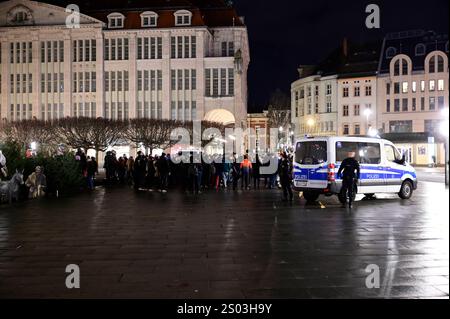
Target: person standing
246,168
350,173
92,171
256,173
36,182
140,167
163,170
285,172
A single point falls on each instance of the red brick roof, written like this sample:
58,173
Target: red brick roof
210,13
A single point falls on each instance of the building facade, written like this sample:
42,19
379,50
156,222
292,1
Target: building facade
314,108
155,60
413,91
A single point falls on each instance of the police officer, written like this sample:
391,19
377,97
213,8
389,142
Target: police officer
349,170
285,172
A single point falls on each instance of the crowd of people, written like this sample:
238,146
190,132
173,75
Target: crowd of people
161,173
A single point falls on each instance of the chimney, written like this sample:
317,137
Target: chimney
345,47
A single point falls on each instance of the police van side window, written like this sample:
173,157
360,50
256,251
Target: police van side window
370,153
366,153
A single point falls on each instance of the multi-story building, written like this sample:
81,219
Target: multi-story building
314,103
413,89
183,60
332,98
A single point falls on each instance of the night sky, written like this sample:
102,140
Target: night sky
286,33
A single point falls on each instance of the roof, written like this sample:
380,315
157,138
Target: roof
349,60
406,42
209,13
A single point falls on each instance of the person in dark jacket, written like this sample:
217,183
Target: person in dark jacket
163,171
92,170
285,172
350,173
140,168
256,173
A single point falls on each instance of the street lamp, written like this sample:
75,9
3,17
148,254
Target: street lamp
367,113
311,124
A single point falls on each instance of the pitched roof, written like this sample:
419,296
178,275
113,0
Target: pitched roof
406,42
210,13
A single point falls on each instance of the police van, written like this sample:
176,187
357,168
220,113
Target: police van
382,168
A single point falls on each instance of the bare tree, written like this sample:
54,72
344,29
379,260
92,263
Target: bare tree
90,133
279,110
26,132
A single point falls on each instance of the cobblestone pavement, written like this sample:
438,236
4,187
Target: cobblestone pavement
225,245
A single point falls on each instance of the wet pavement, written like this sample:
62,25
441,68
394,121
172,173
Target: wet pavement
225,245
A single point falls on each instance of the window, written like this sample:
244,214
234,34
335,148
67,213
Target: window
397,68
357,91
183,18
397,105
404,105
228,49
397,88
116,20
149,19
440,85
388,106
432,85
400,126
366,153
422,104
357,129
311,153
432,65
345,110
405,87
391,52
414,87
329,89
414,104
420,49
392,154
440,64
441,102
368,91
346,130
422,86
357,110
432,103
388,88
345,92
404,67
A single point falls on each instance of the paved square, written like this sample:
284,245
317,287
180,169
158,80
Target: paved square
225,245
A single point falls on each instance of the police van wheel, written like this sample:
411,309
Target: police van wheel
311,196
406,191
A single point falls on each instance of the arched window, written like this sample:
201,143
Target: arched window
116,20
420,49
404,67
391,52
20,15
397,68
183,18
440,64
432,65
149,19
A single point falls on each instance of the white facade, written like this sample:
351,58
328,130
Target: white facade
103,69
314,108
412,101
357,105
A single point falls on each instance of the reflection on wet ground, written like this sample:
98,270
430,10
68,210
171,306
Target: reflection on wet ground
226,245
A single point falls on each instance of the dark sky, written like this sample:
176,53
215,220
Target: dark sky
286,33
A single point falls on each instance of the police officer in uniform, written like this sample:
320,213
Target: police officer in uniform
349,170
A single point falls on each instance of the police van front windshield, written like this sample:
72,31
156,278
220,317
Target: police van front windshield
311,152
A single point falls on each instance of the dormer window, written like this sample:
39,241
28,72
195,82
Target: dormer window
149,19
116,21
391,52
20,15
183,18
420,49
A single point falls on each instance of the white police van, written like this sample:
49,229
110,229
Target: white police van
383,169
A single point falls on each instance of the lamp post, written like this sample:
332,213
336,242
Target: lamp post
367,113
311,124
